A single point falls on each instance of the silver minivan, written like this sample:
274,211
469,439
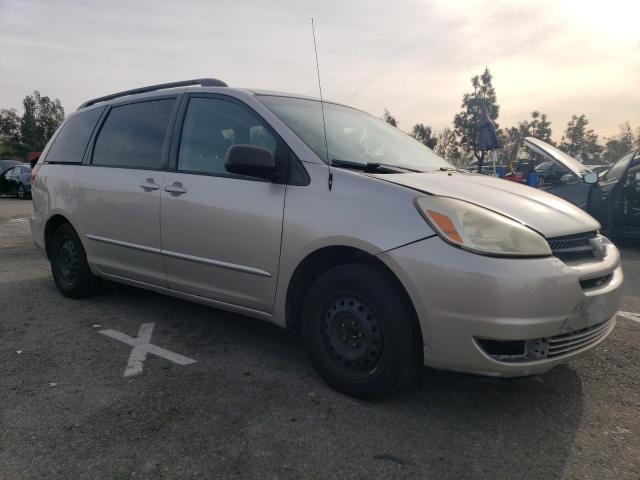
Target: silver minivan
327,221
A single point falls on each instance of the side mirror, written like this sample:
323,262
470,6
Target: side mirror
252,161
591,177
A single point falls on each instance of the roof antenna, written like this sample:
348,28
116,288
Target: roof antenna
324,124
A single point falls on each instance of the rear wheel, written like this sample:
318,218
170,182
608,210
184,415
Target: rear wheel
361,332
21,193
69,266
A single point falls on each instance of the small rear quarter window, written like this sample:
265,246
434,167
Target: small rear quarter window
70,144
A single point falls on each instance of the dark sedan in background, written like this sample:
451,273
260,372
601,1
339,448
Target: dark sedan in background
5,164
16,181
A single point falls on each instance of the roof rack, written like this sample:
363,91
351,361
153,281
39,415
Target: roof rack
203,82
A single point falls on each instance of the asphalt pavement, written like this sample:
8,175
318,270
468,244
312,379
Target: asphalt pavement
249,405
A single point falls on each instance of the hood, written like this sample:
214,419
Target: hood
554,154
543,212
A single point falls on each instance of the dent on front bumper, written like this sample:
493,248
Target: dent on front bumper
461,297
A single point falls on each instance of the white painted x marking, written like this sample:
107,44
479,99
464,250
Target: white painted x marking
630,316
141,346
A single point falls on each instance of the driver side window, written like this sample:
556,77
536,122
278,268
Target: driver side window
211,126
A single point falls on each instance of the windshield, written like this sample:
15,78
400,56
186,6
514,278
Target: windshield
544,166
352,135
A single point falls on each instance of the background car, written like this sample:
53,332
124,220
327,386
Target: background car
16,181
614,199
559,173
6,164
552,173
486,169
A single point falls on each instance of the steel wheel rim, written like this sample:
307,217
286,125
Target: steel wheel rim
68,262
352,337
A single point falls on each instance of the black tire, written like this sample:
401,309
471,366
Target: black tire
361,332
69,266
21,193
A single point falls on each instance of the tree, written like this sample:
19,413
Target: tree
580,142
512,143
539,127
390,119
424,135
465,123
42,116
9,133
447,146
512,139
615,147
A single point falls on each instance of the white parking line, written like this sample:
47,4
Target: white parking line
630,316
22,219
141,346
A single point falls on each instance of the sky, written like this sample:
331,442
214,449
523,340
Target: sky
415,58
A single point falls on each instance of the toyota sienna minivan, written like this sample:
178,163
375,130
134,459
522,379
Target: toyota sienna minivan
379,252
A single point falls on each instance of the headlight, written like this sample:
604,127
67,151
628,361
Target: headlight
480,230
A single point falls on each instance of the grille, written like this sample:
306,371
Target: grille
570,342
514,351
573,247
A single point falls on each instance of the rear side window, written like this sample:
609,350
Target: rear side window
133,135
71,142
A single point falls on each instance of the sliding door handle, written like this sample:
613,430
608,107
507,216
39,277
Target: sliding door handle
175,189
149,185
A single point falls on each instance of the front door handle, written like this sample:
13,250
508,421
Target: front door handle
149,184
176,188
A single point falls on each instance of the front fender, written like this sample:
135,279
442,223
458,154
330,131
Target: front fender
360,211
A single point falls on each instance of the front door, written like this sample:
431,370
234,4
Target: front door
604,198
119,192
628,212
221,232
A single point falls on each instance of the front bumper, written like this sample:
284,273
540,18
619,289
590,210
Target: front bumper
461,297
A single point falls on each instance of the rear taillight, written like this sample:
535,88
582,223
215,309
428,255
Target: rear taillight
34,171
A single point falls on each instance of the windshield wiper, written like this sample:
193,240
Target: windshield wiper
372,167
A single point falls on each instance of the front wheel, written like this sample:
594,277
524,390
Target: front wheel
21,193
361,332
69,266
